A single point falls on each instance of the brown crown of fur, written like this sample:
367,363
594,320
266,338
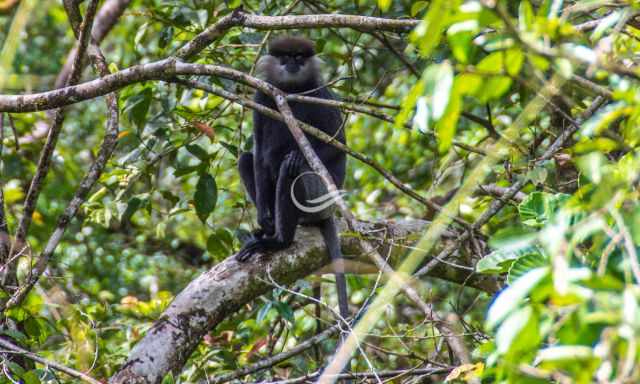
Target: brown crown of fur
291,46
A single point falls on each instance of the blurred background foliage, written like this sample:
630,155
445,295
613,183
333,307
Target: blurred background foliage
170,204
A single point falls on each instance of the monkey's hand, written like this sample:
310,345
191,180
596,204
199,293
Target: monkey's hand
295,162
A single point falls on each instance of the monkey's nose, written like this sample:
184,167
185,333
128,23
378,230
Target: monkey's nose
293,68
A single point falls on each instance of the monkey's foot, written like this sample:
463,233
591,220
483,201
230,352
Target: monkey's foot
245,237
259,245
251,247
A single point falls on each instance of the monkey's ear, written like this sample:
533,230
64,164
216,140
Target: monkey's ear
265,65
317,63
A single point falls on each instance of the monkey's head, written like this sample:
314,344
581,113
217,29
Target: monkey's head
290,64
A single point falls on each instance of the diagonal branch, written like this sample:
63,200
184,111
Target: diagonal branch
106,18
276,359
95,170
313,131
12,348
45,156
229,285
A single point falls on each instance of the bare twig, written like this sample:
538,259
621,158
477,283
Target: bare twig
273,360
5,243
497,191
12,348
106,150
15,132
320,135
511,191
45,156
105,19
363,375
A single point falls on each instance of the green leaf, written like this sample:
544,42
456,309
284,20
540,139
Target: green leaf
513,296
526,263
206,196
230,147
384,5
502,260
219,243
137,106
468,83
262,313
165,37
168,379
198,152
16,335
169,196
492,63
439,85
564,352
418,7
593,166
539,207
409,102
526,16
494,88
460,43
132,206
284,310
31,377
513,61
519,326
446,126
429,32
183,171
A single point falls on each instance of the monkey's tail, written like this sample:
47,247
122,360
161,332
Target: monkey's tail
329,231
332,241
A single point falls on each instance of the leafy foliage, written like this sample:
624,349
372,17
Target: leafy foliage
456,90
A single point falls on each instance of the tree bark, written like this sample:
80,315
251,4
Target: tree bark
226,287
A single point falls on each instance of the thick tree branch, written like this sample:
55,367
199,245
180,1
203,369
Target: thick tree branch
241,18
216,294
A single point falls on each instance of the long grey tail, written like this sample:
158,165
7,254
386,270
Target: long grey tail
332,241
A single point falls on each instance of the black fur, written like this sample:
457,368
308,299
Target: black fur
276,161
269,171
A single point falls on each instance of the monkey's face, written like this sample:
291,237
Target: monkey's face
289,71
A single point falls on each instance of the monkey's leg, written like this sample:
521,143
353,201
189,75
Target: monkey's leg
286,215
245,168
247,175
